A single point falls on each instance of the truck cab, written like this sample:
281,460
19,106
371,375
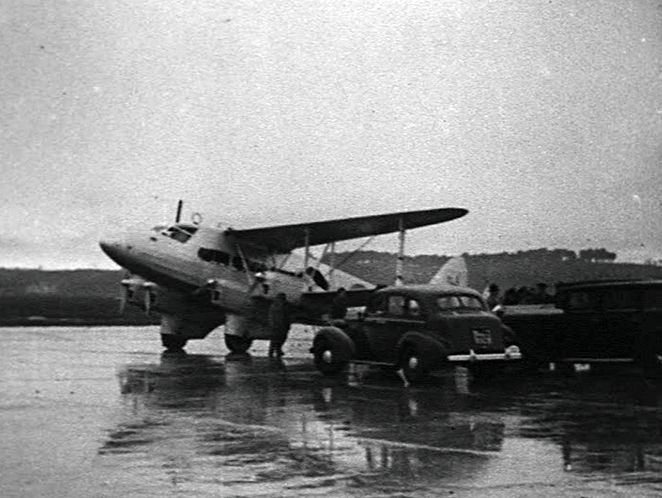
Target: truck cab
594,322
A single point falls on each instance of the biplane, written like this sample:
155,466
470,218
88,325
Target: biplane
200,276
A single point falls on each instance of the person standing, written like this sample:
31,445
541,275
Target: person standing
279,323
493,298
339,305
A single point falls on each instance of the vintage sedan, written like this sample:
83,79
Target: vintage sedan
417,329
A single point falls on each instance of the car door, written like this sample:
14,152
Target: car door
385,326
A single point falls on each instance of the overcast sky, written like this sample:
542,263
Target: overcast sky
543,118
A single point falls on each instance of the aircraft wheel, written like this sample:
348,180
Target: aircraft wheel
412,365
173,342
237,344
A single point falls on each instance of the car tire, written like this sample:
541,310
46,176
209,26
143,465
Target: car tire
332,351
412,365
237,344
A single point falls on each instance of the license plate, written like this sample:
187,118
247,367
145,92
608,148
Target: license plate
482,337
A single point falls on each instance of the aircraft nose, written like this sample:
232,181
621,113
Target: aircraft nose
112,245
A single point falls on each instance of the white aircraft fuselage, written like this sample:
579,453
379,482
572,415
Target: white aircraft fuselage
199,277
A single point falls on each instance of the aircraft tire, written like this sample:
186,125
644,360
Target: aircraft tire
237,344
173,342
332,350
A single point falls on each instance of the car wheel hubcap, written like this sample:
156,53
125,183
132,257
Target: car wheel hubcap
412,363
327,356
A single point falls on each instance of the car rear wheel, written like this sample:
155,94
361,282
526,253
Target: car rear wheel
412,365
237,344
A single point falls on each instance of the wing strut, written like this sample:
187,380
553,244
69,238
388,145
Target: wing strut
306,241
399,264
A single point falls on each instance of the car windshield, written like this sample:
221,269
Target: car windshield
459,302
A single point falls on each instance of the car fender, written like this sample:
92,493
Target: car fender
431,351
338,340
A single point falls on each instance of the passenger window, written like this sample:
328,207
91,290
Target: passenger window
448,303
579,300
413,308
205,254
214,256
620,299
376,306
237,263
396,305
222,257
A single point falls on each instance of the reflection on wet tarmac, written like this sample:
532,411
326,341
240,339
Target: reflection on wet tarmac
116,418
263,422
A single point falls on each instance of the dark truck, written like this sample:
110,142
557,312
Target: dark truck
416,329
592,323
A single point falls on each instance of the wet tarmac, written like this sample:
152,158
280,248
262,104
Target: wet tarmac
102,412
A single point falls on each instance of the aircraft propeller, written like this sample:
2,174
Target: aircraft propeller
124,295
148,300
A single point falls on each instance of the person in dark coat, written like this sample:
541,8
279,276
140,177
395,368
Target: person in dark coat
493,298
339,305
279,323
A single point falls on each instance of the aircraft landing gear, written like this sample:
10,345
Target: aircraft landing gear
173,342
237,344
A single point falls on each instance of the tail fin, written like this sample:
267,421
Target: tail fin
454,272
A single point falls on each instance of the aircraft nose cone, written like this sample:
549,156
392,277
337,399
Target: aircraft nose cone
112,246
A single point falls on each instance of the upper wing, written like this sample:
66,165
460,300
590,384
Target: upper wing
284,238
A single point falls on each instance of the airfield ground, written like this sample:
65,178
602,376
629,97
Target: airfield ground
100,411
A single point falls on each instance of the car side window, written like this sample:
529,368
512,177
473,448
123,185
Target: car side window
376,306
413,309
653,299
396,305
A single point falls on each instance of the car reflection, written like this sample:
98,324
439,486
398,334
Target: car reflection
264,421
255,412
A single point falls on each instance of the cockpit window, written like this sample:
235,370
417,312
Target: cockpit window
180,233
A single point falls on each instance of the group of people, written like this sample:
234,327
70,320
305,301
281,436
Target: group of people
521,295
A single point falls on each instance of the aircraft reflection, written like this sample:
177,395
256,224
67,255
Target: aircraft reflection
262,420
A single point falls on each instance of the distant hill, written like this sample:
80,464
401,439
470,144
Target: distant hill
100,283
505,269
